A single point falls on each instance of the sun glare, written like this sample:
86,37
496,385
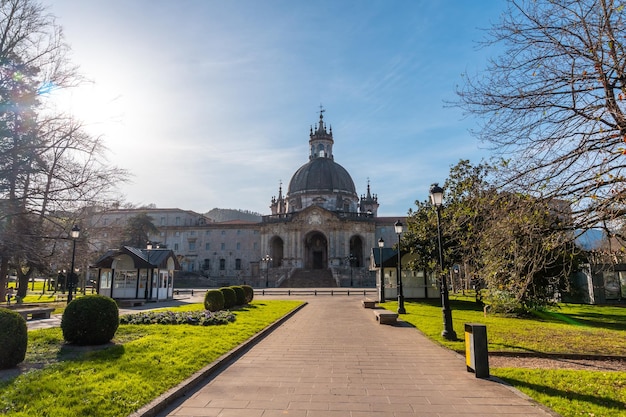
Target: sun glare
99,108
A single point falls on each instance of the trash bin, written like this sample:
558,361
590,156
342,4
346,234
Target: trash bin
476,351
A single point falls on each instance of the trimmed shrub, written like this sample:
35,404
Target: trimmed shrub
214,300
249,292
90,320
241,296
230,298
13,338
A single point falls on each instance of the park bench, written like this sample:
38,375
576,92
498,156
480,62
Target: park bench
367,303
35,312
385,316
131,302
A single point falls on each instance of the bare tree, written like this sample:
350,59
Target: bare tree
552,103
49,167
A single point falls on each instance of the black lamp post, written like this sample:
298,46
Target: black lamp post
267,259
436,198
398,226
350,259
148,294
381,245
71,278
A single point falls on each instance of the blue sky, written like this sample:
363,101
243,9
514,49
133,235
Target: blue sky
209,103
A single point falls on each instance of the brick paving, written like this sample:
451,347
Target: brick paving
332,359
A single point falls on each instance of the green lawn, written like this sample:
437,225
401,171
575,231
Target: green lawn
148,360
579,329
144,362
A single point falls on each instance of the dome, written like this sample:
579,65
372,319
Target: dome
321,175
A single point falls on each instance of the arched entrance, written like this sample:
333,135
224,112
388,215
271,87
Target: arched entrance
356,252
316,251
276,251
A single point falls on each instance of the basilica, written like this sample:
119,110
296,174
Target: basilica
320,232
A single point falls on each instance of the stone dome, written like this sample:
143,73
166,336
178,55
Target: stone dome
321,176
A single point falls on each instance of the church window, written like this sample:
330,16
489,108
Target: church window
207,232
207,264
256,245
192,245
223,232
162,221
222,264
238,264
177,220
175,246
223,246
207,246
238,246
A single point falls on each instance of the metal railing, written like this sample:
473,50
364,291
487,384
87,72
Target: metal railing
316,291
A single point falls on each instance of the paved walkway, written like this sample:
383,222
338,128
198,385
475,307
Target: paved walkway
332,359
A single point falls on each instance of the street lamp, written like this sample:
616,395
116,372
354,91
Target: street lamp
381,245
351,260
436,198
74,233
398,226
267,259
148,292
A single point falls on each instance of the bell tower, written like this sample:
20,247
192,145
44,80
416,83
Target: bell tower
369,202
321,140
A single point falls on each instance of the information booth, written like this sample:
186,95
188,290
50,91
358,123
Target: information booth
137,274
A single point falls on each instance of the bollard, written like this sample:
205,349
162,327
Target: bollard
476,350
348,292
315,292
192,293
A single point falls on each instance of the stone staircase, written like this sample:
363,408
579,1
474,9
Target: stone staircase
310,278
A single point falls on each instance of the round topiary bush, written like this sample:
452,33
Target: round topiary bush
230,298
13,338
214,300
90,320
249,292
241,296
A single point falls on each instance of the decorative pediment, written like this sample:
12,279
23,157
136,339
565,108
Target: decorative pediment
315,216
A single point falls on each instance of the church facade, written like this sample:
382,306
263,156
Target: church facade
321,226
320,231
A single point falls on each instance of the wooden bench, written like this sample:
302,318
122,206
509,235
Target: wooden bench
36,313
385,316
131,303
367,303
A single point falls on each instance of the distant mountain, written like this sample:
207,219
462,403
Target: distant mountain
224,215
